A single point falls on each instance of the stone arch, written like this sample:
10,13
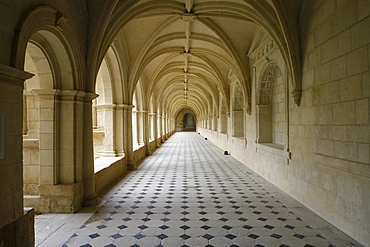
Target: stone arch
103,113
109,108
266,84
49,29
45,43
138,115
186,120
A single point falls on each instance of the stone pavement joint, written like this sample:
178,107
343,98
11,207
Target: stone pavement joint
188,193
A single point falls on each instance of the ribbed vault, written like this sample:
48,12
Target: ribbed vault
184,51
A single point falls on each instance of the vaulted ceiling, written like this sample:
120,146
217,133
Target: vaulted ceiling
183,51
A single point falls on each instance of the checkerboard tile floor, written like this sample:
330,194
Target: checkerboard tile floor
189,194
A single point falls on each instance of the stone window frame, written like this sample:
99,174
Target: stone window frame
235,85
265,86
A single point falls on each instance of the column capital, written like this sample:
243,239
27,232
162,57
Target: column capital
89,96
106,107
42,94
71,95
128,107
119,107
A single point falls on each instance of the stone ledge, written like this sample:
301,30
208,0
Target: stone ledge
105,162
107,171
273,148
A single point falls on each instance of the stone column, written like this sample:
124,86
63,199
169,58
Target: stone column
119,137
62,152
94,115
25,103
90,197
69,113
135,129
150,126
47,119
140,127
160,121
11,177
146,133
166,127
153,117
131,164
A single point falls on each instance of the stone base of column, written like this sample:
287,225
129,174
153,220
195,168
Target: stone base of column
109,154
131,166
93,201
157,143
61,198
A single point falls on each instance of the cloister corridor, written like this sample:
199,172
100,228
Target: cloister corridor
188,193
184,123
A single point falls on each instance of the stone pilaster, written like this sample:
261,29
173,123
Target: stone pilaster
47,116
11,97
90,197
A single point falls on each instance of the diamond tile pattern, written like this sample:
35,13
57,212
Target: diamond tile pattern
189,194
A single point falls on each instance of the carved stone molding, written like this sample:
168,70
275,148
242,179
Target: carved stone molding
187,17
71,95
297,95
90,96
60,21
13,75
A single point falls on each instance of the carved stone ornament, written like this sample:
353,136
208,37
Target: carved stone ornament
297,94
188,17
60,21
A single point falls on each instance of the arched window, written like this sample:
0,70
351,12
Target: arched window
104,111
215,118
271,106
137,118
223,116
36,63
238,113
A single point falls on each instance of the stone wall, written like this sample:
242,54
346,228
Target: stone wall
19,232
334,116
11,176
324,159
